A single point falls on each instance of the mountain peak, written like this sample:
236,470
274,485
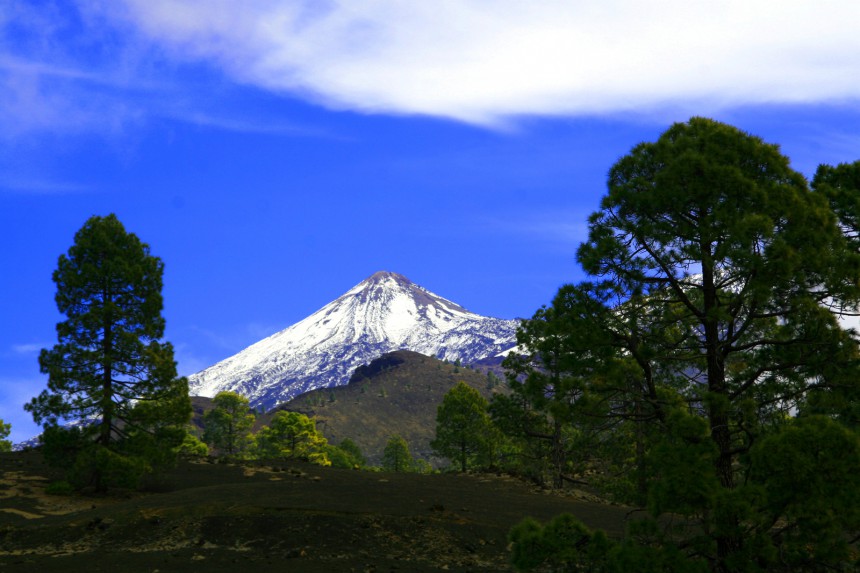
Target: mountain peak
381,276
383,313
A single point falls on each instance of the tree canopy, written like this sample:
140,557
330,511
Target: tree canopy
463,427
228,424
396,457
710,322
5,445
291,435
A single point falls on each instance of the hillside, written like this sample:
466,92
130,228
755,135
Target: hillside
397,393
298,517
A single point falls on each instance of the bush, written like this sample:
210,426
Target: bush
61,487
193,447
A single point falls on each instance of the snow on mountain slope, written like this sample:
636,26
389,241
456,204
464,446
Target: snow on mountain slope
385,312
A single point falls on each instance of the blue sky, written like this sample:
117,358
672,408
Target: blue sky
276,153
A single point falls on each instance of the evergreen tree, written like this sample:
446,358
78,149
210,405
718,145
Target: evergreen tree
5,445
396,456
463,427
227,426
292,435
354,452
109,368
193,446
583,391
721,272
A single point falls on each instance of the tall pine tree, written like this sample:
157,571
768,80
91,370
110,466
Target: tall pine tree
109,368
726,275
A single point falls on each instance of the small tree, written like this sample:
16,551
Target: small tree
228,424
396,456
463,427
353,451
5,445
292,435
192,446
109,368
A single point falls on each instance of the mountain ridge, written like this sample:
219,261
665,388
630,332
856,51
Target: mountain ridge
383,313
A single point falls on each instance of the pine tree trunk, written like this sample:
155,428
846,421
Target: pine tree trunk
107,388
718,415
641,475
557,456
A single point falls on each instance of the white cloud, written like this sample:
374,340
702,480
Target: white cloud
28,348
485,62
563,231
41,187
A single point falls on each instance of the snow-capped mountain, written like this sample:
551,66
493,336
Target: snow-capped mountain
385,312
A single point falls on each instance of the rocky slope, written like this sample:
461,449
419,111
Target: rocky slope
396,394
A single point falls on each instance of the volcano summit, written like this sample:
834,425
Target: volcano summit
385,312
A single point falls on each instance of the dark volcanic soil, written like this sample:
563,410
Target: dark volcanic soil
273,517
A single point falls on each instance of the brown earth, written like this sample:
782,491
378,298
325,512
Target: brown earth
214,517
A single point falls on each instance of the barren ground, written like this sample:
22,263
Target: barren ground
271,517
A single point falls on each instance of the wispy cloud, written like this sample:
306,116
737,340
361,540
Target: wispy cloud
41,98
42,187
249,126
27,349
563,231
483,63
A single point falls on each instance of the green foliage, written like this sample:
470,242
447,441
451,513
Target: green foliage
464,432
568,380
354,452
566,545
840,185
61,445
396,456
292,435
682,464
227,426
339,458
809,473
346,455
192,446
493,381
421,466
59,488
109,365
5,445
114,468
711,322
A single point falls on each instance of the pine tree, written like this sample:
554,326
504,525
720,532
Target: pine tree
355,453
109,369
718,277
396,456
5,445
292,435
463,427
227,426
